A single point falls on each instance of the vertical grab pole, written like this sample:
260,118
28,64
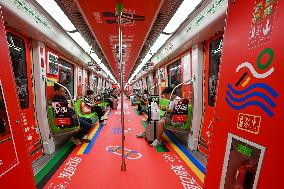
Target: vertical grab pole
119,10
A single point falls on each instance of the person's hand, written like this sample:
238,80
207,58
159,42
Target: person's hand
170,110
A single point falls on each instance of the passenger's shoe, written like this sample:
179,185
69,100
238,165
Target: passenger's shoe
156,143
76,141
85,137
141,135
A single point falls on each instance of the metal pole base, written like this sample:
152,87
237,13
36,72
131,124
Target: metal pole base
123,167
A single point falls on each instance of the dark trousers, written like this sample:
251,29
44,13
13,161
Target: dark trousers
85,127
110,103
99,112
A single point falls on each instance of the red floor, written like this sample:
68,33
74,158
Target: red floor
146,168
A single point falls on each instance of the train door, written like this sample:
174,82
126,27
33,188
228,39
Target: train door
87,80
213,50
22,67
79,81
162,78
95,84
155,82
14,160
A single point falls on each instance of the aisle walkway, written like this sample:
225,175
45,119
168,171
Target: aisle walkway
97,165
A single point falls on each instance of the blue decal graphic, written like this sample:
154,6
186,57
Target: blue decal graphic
230,99
117,130
129,154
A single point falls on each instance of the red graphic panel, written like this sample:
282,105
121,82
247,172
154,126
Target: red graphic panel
249,101
211,70
137,18
22,68
14,161
262,24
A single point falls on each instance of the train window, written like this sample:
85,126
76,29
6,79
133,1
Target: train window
161,74
66,75
19,63
149,83
174,75
95,83
215,50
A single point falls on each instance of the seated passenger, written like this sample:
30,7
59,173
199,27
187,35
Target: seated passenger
92,102
166,95
167,119
85,123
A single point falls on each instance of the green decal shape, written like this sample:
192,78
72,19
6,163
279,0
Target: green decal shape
271,54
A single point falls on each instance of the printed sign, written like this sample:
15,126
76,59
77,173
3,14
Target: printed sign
262,22
52,64
250,123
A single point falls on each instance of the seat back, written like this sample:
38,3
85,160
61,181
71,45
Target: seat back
56,128
165,103
77,109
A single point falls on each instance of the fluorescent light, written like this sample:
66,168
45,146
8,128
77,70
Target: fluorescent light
54,10
181,14
159,43
80,41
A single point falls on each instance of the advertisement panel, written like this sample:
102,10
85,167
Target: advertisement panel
249,102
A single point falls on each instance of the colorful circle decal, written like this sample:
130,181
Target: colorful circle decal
130,154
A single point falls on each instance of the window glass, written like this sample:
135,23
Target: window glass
174,75
66,75
161,74
19,63
95,83
215,50
149,83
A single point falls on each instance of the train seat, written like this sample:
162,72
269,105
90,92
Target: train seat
92,116
55,129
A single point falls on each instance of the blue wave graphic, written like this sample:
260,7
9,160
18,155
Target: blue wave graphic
250,103
250,95
253,86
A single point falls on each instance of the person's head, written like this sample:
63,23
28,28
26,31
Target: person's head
59,90
89,92
167,92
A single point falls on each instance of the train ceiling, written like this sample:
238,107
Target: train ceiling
143,21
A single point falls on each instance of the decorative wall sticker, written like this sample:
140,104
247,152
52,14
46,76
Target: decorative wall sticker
248,122
262,22
248,95
253,72
117,130
130,154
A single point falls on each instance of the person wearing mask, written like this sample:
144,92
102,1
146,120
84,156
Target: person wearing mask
85,123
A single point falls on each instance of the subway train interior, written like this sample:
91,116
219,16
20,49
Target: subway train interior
156,94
